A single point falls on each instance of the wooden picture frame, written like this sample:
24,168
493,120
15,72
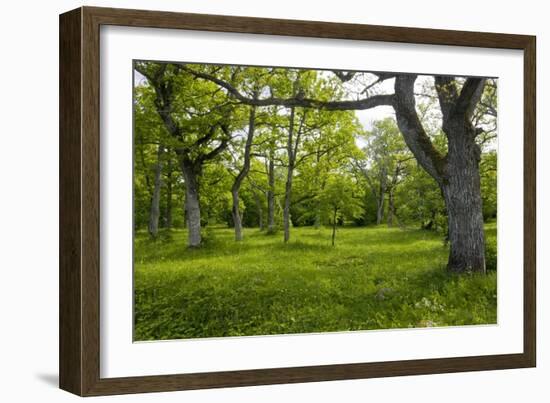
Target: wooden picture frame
79,346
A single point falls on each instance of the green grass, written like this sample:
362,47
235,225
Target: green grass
374,278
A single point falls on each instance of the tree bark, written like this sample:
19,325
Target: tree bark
462,194
236,215
237,218
191,173
154,213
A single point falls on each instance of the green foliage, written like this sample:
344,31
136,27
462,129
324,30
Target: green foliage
419,201
491,246
215,195
339,201
375,278
488,173
329,145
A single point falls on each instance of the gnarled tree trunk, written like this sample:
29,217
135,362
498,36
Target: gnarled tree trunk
191,174
457,173
462,192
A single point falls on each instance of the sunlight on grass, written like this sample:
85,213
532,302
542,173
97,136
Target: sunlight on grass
374,278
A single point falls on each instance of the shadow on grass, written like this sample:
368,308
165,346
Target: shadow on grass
174,248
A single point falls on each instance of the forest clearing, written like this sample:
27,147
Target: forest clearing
375,278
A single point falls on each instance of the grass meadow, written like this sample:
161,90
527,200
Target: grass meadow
374,278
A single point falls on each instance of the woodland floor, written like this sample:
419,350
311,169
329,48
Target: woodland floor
374,278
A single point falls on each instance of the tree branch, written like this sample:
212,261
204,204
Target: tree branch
469,96
247,148
365,103
413,132
446,94
163,101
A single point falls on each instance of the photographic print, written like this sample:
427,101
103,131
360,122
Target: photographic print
252,201
276,200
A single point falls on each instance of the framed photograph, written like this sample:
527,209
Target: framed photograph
248,201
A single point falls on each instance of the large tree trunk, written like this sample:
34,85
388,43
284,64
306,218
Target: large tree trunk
271,196
457,173
462,193
154,213
237,218
191,174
